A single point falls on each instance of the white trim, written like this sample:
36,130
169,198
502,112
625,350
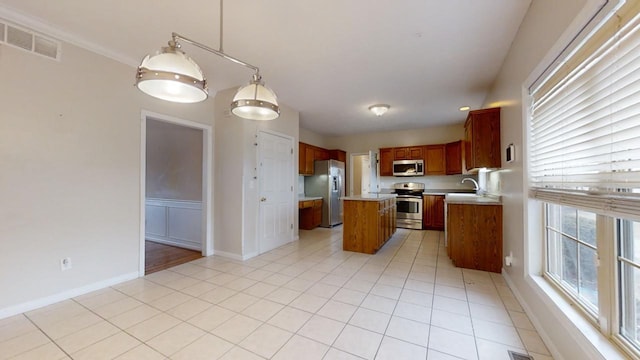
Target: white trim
207,171
48,300
44,28
235,256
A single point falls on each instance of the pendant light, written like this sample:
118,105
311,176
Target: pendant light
171,75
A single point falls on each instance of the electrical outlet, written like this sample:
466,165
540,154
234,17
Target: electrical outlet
65,264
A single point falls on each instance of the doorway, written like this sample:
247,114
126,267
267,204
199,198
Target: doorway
276,191
175,192
363,175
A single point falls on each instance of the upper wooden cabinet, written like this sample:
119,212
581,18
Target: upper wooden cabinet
408,153
339,155
305,159
482,139
455,158
308,154
386,162
434,158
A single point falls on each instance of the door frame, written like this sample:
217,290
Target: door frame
292,175
207,178
351,162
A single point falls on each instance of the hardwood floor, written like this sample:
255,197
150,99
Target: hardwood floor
159,256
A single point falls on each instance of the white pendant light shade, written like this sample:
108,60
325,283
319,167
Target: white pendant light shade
255,101
173,76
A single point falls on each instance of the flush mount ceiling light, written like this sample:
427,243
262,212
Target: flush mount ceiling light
171,75
379,109
464,108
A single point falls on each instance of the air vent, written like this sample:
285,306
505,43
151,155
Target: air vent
20,38
29,40
518,356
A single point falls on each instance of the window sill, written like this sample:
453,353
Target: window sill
592,339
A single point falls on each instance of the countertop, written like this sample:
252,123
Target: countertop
370,197
447,191
305,198
472,199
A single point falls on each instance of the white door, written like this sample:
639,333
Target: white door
276,198
373,172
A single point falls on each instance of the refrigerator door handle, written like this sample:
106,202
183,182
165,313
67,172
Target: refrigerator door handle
334,183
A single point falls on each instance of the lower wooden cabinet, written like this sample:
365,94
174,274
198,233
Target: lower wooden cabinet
368,224
474,236
433,212
310,214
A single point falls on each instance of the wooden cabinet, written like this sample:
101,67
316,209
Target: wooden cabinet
433,212
409,153
305,159
455,162
368,224
482,139
386,161
434,158
310,214
339,155
474,236
308,154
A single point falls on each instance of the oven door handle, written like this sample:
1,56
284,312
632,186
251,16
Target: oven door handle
409,199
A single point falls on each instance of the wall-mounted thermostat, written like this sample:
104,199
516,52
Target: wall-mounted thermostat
511,153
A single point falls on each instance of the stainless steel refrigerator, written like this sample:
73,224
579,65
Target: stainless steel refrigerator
328,182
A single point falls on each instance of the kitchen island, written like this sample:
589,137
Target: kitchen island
369,221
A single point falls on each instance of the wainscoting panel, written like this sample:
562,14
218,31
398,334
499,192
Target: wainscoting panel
174,222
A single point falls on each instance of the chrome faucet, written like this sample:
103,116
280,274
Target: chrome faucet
476,188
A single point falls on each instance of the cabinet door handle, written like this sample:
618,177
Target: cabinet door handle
263,199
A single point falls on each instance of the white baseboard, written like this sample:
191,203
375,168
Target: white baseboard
229,255
234,256
534,319
48,300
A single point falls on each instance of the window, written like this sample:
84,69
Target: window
572,253
629,280
584,167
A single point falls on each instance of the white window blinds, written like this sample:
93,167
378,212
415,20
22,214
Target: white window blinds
585,120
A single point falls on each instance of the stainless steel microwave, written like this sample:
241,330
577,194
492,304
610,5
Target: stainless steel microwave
408,168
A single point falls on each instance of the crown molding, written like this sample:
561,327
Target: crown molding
41,26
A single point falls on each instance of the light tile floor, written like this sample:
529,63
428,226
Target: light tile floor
305,300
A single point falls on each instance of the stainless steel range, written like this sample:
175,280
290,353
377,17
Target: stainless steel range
409,204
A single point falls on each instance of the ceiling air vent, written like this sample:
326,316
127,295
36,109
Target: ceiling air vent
29,40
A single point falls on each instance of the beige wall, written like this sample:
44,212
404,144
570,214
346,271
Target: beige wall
536,43
70,173
362,143
236,186
174,161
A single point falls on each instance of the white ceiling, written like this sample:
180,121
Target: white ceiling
329,60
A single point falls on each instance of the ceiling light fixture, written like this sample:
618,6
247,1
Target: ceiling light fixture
172,75
379,109
464,108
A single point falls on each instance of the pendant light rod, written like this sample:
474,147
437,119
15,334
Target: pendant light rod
221,27
177,37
